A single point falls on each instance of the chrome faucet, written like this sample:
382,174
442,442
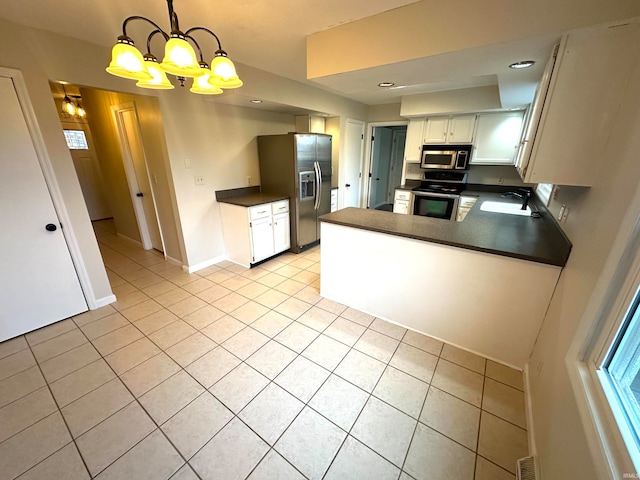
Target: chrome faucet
522,193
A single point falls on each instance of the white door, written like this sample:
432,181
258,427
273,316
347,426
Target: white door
135,167
380,159
354,145
38,283
89,172
261,239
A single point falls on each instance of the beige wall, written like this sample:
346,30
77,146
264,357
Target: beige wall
98,104
424,28
594,219
385,113
451,101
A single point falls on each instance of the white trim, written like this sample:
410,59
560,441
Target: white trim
130,172
528,408
52,183
599,323
130,240
364,192
173,261
101,302
205,264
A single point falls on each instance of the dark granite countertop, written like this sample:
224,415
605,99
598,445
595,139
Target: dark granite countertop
252,199
535,239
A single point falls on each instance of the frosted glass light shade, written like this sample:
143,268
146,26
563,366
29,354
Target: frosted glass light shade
158,79
180,59
233,82
222,67
127,62
68,106
202,86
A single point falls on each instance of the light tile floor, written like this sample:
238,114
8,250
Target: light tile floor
233,373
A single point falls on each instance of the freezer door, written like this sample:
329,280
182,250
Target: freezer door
306,190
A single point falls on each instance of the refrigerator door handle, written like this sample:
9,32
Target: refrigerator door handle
316,167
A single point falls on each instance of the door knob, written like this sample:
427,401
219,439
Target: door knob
51,227
377,179
139,194
347,185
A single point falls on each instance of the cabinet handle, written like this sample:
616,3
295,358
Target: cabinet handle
264,211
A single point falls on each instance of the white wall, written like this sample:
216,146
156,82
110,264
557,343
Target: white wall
451,101
594,219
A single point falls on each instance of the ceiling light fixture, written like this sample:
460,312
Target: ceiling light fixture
522,64
255,101
179,60
68,106
80,112
386,84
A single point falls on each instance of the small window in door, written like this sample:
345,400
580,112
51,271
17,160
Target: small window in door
76,140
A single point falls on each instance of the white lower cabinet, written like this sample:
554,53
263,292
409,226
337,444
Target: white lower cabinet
402,201
253,234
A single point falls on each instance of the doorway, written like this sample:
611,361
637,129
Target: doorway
135,167
352,177
385,166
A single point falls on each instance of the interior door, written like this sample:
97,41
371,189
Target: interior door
380,159
395,167
354,145
38,284
135,164
89,172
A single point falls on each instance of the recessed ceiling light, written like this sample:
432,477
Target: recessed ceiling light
386,84
522,64
255,101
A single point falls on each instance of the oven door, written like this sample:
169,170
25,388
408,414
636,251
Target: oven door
435,205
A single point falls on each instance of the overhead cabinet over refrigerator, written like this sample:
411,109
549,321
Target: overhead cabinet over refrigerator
298,166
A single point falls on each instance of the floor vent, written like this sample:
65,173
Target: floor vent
527,469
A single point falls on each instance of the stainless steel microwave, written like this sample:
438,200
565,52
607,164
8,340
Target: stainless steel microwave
445,157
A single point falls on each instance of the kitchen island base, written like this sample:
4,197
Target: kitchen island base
487,304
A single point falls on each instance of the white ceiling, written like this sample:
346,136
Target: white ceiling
271,36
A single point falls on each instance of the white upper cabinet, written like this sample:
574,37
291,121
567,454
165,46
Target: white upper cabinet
590,81
461,129
414,141
436,130
455,129
497,138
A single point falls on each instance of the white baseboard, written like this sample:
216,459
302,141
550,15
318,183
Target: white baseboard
101,302
205,264
174,261
131,240
529,412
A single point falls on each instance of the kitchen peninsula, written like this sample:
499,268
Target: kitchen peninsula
471,283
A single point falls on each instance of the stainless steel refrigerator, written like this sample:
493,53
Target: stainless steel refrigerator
298,165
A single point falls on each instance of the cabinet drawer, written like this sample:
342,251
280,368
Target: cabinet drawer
259,211
403,195
281,206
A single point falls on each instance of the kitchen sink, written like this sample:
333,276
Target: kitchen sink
503,207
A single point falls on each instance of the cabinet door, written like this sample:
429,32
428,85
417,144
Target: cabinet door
497,138
401,206
461,129
413,143
281,234
436,130
261,239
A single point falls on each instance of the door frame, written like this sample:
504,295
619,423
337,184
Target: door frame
341,169
51,181
369,152
130,173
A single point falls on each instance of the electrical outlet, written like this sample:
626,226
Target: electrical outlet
565,214
500,180
561,212
248,180
199,179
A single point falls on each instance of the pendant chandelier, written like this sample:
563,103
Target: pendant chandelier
71,108
179,60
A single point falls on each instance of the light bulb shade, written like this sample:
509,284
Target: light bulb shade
68,106
202,86
81,112
127,62
158,79
222,67
233,82
180,59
